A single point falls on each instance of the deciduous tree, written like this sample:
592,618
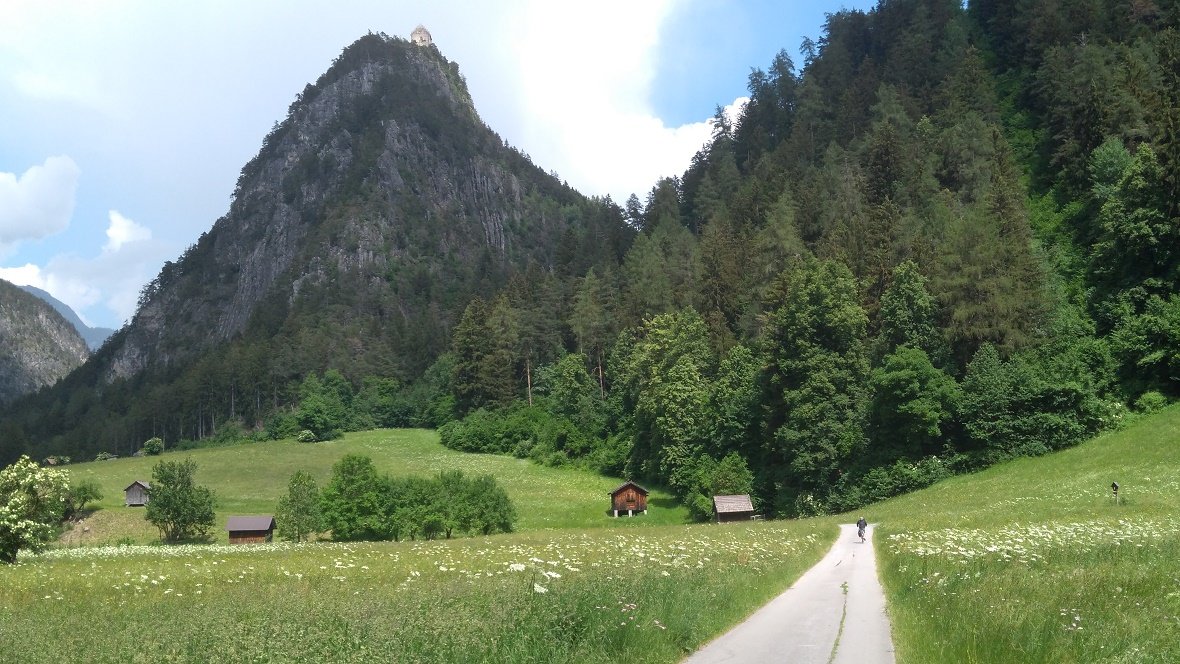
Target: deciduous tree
177,505
32,502
299,514
354,502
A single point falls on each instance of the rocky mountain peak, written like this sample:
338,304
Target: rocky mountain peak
37,345
382,174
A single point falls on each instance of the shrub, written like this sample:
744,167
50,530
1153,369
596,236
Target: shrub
306,436
230,432
609,456
359,504
854,491
153,446
1151,401
80,493
281,425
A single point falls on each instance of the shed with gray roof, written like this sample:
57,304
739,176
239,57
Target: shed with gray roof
250,529
136,493
733,508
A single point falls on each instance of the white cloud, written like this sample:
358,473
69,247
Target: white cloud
585,80
24,275
77,292
123,230
107,285
40,202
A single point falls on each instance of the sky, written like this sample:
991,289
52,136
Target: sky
124,123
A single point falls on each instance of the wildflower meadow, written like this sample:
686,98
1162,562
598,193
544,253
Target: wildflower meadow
577,596
1036,561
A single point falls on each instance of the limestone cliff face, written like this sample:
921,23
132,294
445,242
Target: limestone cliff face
381,183
37,345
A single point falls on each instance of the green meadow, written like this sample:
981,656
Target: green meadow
572,585
251,477
579,595
1028,561
1034,561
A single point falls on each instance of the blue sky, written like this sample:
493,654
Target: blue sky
124,123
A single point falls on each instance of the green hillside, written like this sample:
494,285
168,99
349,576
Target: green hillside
1034,561
250,478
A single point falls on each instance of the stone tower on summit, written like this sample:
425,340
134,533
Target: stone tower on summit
421,36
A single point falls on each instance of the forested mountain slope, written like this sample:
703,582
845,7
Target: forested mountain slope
37,346
369,218
948,237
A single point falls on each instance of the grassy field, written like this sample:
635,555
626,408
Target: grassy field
592,595
572,585
1030,561
250,478
1033,561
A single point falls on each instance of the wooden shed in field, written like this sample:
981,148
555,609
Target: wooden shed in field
250,529
136,494
733,508
629,498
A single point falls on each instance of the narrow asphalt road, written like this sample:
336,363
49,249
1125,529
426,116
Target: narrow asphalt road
834,614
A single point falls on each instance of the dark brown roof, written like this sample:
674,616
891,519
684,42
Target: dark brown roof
728,504
626,484
142,483
250,523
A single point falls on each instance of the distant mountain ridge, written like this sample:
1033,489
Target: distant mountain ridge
94,336
38,346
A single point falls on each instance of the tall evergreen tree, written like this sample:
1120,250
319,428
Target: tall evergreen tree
815,377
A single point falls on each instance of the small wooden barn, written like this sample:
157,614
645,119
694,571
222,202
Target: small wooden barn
250,529
629,498
733,508
136,494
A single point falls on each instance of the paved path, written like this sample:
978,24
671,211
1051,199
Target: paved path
816,620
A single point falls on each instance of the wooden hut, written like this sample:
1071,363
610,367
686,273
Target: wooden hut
732,508
136,494
250,529
629,498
